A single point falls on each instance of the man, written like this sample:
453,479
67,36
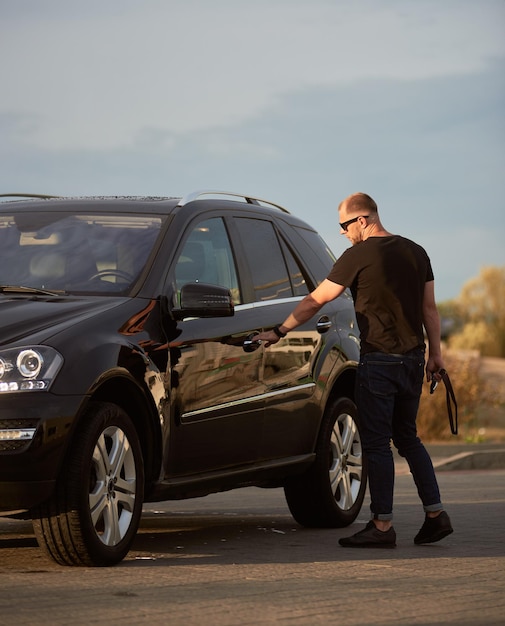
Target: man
392,284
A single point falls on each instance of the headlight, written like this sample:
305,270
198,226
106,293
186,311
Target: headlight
30,368
29,363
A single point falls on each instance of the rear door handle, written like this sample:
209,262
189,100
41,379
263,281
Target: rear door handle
323,324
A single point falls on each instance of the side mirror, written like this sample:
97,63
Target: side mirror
202,300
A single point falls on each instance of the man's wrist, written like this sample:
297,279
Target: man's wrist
277,330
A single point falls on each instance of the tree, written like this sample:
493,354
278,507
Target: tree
480,313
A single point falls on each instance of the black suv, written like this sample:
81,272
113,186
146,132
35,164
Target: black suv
129,372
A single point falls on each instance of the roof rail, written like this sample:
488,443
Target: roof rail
27,195
209,192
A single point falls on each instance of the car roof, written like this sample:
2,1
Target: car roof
212,199
135,204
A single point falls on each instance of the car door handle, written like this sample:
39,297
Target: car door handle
323,324
250,345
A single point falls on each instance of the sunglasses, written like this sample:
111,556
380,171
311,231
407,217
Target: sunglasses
345,225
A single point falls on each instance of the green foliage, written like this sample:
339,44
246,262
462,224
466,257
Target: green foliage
479,314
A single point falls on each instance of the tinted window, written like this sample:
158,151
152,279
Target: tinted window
206,257
316,252
271,278
296,275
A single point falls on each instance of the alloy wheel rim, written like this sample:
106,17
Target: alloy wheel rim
346,462
112,486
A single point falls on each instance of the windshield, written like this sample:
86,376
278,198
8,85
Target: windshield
75,253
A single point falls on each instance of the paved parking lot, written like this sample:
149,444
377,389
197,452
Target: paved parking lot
239,558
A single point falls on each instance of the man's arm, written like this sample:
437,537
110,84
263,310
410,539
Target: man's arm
431,321
307,308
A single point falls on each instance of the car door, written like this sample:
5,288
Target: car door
217,392
279,284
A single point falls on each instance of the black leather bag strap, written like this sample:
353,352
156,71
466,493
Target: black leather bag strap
451,401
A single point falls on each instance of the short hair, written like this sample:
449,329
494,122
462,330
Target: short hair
360,203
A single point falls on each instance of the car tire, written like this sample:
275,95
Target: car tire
331,492
94,513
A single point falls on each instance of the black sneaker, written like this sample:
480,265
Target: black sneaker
434,529
370,537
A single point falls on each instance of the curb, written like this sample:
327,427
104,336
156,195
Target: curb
481,460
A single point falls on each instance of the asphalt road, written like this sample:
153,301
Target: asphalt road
239,558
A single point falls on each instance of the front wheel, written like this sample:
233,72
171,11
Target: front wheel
94,513
331,492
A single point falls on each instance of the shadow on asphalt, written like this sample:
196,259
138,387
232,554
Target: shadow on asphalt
227,540
255,532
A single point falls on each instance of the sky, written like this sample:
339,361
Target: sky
301,102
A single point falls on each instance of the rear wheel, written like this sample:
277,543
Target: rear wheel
331,492
94,513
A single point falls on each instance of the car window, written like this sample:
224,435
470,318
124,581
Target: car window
207,257
296,274
267,261
83,253
315,251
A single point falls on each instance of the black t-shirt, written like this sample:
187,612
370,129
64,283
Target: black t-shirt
387,276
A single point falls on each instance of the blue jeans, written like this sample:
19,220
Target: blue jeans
388,389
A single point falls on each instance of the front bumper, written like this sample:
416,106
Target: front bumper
29,465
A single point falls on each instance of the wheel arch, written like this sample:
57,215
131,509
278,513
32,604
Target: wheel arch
126,394
343,385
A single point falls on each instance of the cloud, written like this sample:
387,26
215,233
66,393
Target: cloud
87,76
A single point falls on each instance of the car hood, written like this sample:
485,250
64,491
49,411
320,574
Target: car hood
40,317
